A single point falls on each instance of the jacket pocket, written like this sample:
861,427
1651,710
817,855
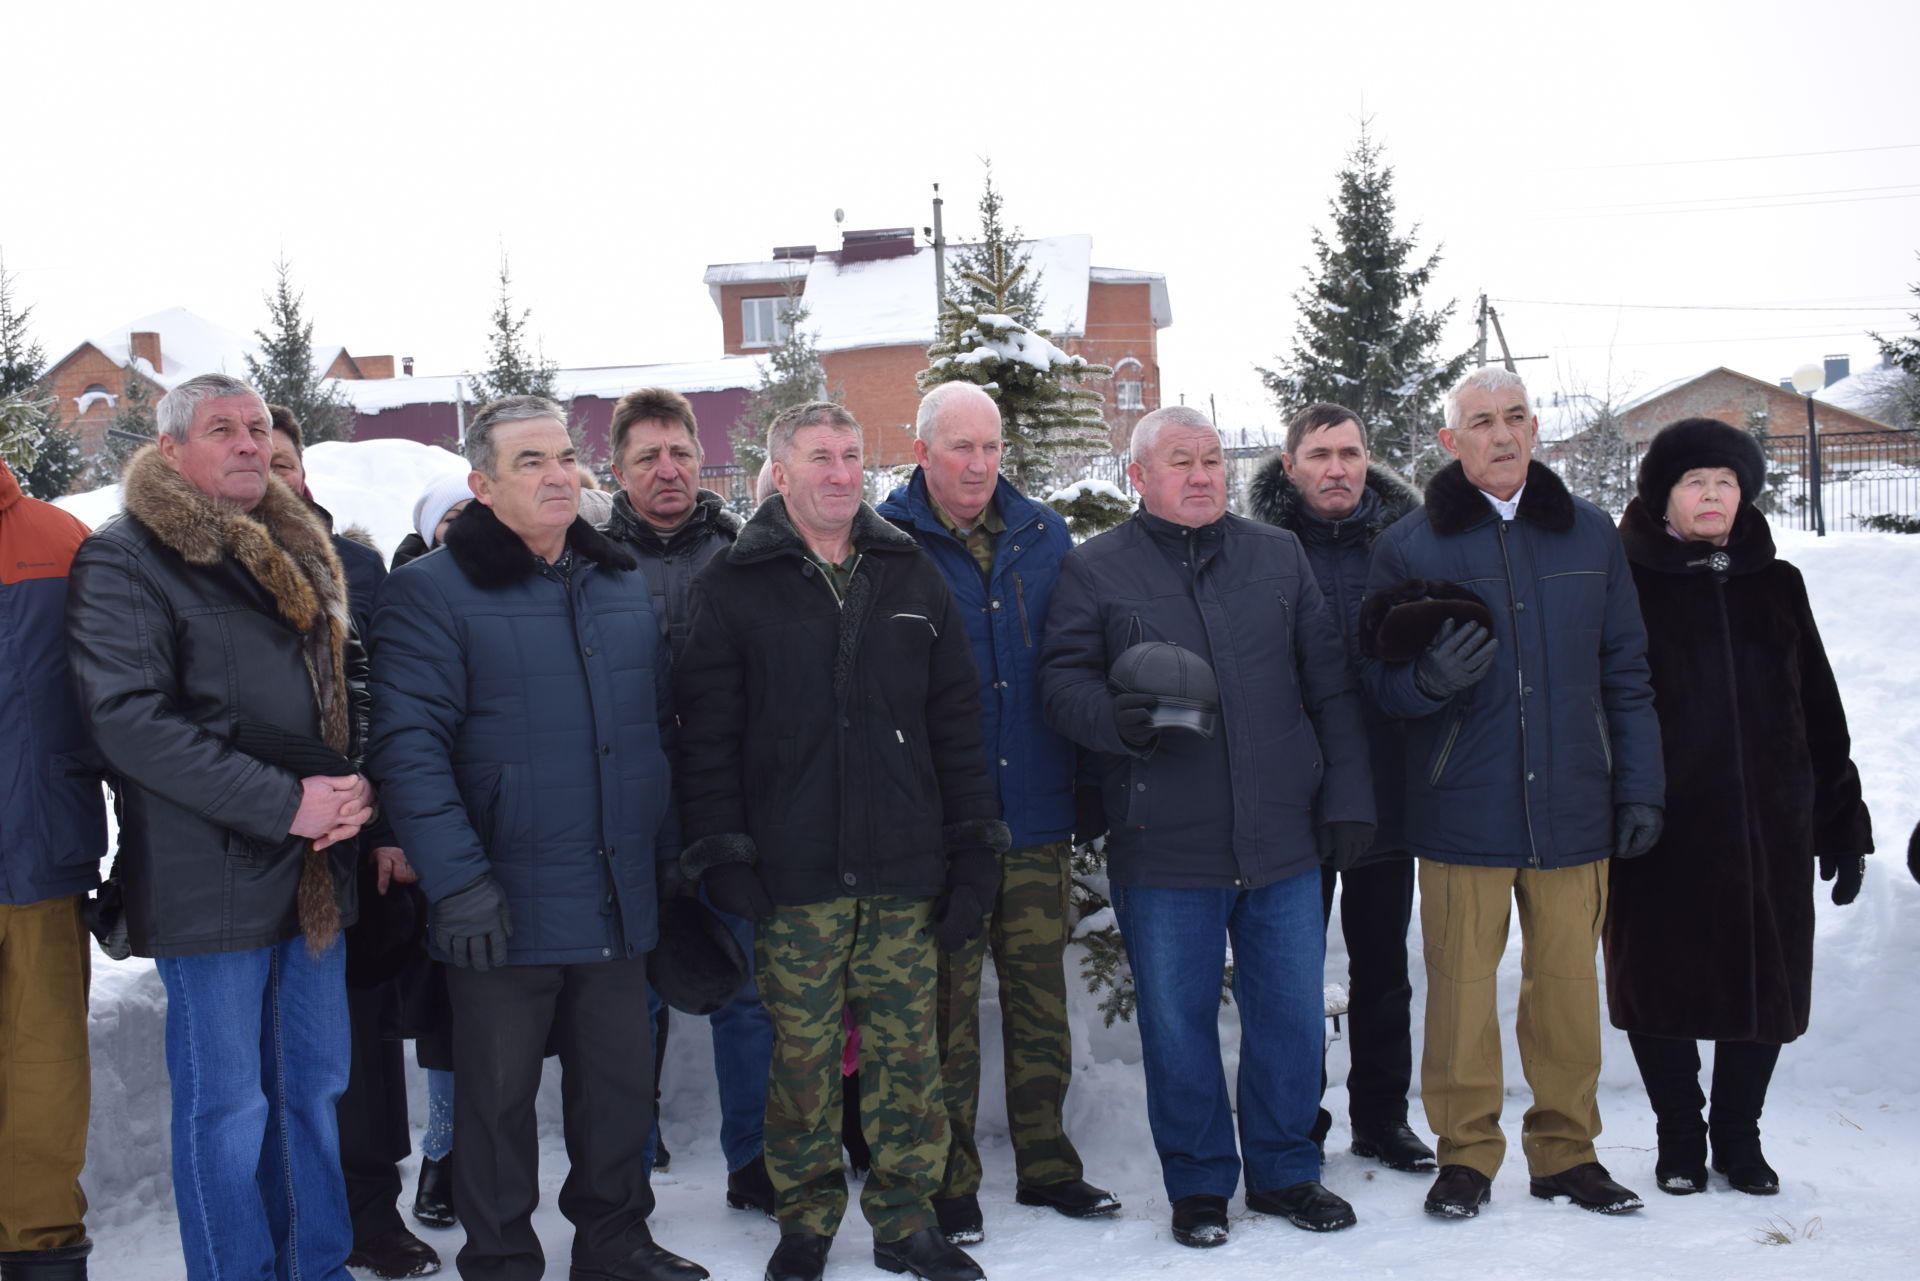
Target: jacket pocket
1606,739
921,619
1446,748
1020,598
73,812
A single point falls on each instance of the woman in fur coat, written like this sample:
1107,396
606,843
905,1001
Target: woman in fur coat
1710,937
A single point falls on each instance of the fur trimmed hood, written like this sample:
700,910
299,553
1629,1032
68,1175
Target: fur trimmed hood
1455,506
771,533
1275,499
493,556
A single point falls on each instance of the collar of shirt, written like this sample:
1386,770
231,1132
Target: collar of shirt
989,519
1507,507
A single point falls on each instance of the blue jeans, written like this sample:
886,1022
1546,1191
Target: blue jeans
257,1050
1176,942
742,1055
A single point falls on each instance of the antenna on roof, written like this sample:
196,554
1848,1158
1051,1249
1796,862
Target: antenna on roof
839,216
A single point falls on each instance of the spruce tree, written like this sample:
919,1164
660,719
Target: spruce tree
284,373
1903,354
1363,339
1047,422
791,375
1601,467
511,369
995,235
43,454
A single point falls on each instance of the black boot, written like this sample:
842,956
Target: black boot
749,1187
852,1137
927,1254
433,1198
1670,1070
395,1254
1681,1167
62,1263
1742,1071
1395,1146
800,1256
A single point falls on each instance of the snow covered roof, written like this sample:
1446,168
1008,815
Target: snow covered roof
370,396
1573,414
1862,392
1659,391
190,345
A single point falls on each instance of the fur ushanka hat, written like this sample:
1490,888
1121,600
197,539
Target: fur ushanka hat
1398,622
1680,447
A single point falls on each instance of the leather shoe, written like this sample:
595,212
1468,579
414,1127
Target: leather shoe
1305,1205
1588,1186
648,1263
1459,1192
1200,1221
750,1188
1394,1146
398,1253
56,1263
433,1199
800,1256
927,1254
959,1218
1075,1198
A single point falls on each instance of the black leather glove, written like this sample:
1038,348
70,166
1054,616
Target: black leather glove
1636,828
1846,875
1455,660
472,925
735,888
1089,815
973,883
1132,715
1343,843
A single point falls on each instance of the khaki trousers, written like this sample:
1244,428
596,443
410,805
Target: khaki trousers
1464,913
44,1077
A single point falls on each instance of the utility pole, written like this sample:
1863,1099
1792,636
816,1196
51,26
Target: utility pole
1506,356
1480,323
939,255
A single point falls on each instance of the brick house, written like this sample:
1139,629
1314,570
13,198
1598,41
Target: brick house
1734,397
873,309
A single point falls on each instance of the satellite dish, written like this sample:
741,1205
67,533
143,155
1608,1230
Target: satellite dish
839,216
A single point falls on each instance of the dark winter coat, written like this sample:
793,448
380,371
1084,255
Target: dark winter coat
1523,769
671,560
1710,935
184,619
1289,747
363,565
53,825
1005,617
833,744
1340,552
522,721
411,548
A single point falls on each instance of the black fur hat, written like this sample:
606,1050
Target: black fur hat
1398,622
696,966
1678,448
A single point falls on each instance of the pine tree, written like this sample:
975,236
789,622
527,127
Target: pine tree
1046,422
511,369
791,375
995,234
1601,467
285,374
42,452
1363,340
1903,354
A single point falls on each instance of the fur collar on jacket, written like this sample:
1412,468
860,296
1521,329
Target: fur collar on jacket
1455,506
284,548
770,533
493,556
1275,499
1749,548
709,509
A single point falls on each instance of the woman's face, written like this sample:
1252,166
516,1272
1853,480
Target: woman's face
1702,505
440,530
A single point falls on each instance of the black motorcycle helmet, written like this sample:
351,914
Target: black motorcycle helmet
1187,694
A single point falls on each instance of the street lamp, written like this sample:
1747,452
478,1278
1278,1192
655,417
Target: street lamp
1807,379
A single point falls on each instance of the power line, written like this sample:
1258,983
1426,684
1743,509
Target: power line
1728,160
1696,342
1713,200
1628,212
1682,306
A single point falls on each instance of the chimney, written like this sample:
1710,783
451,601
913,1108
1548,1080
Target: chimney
147,347
883,242
1838,367
794,253
406,366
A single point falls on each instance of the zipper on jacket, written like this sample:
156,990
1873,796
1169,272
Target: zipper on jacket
1520,699
1606,739
1020,596
827,579
1446,748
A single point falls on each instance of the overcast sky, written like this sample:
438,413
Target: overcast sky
1663,155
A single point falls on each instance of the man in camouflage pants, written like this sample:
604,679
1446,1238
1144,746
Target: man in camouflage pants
1000,552
833,791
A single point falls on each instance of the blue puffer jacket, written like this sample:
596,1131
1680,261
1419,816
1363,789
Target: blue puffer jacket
522,726
53,825
1006,616
1525,768
1289,749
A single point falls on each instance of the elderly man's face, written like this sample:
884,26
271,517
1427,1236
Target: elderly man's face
1184,476
659,465
1494,441
226,452
1329,469
286,463
820,477
962,457
537,491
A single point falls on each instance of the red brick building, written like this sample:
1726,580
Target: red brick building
873,308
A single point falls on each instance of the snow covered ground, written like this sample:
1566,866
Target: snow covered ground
1842,1125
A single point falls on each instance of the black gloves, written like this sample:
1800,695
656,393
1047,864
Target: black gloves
1457,658
1089,815
1343,843
1133,719
472,925
973,882
735,888
1635,829
1846,875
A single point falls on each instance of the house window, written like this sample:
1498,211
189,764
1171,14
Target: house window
1128,394
760,323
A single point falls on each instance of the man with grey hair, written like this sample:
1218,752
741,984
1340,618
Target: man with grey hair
522,729
1230,777
1000,552
1519,788
212,654
835,792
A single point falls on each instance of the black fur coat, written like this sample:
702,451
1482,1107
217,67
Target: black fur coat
1710,935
